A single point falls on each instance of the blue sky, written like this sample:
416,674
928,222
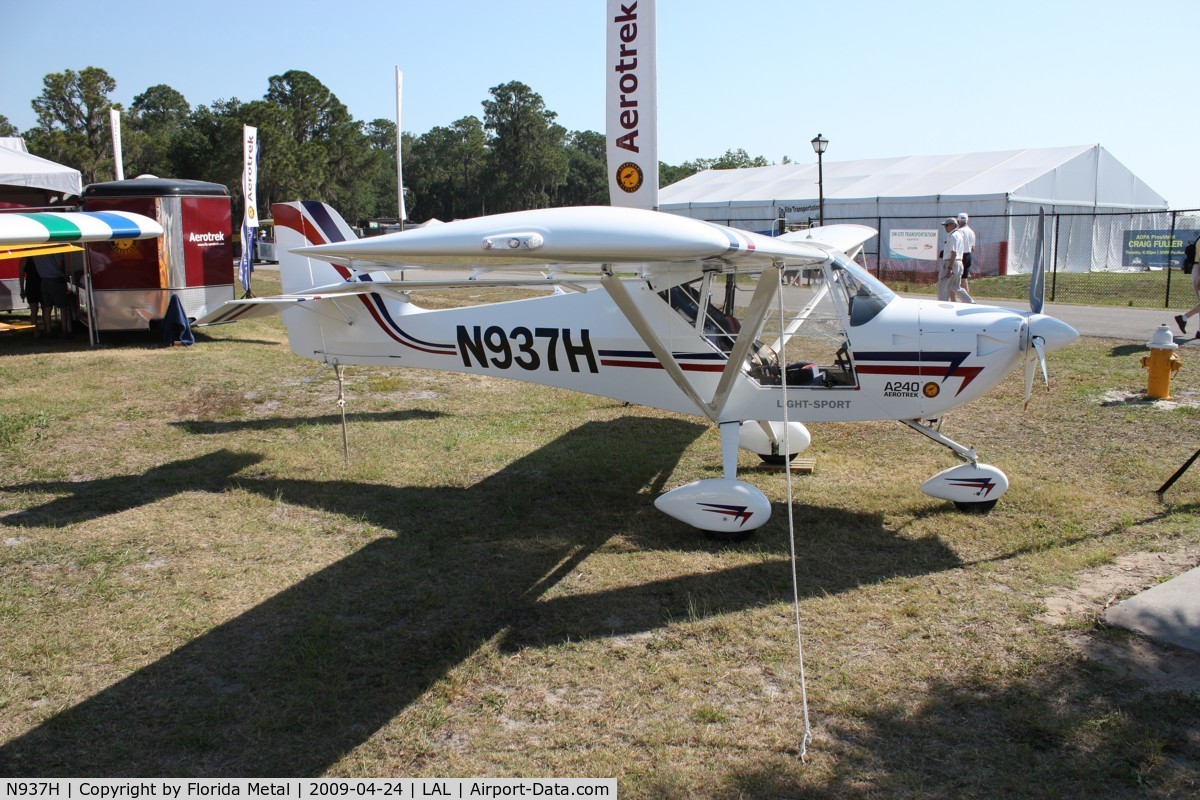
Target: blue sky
878,79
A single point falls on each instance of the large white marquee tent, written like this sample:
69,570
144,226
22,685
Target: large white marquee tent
29,180
1002,191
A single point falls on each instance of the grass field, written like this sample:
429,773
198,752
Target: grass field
193,583
1126,289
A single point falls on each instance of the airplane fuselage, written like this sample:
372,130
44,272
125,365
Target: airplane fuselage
913,359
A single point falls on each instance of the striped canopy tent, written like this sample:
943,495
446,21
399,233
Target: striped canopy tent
29,234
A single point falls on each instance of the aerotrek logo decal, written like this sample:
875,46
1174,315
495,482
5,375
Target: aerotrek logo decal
630,177
914,365
737,512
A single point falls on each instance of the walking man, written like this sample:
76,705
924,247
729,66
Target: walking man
950,270
969,243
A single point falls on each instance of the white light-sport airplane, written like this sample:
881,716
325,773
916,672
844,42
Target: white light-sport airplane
653,323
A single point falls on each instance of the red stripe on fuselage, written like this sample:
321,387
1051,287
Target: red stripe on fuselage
655,365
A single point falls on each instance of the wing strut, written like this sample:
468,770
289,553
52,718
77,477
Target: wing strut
620,295
760,304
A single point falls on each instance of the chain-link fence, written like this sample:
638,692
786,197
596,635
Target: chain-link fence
1100,258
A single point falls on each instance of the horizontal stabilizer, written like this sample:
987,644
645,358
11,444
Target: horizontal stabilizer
249,308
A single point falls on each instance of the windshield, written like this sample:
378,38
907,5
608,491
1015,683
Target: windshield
864,295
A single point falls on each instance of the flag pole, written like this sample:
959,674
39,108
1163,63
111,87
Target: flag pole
400,210
114,121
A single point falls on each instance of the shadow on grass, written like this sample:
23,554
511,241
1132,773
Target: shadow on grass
86,500
294,684
25,343
212,427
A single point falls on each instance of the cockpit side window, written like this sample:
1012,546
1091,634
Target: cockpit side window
717,327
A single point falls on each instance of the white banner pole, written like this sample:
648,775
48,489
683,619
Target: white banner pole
114,121
401,211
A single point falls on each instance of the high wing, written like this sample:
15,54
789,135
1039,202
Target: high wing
367,284
576,235
26,234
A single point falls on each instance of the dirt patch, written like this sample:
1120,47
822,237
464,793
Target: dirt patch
1161,667
1181,399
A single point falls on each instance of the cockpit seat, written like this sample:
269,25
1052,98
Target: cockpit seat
803,373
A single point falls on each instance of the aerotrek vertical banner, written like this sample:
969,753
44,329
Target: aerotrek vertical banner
249,194
631,121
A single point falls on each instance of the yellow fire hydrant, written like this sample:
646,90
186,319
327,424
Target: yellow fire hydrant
1163,362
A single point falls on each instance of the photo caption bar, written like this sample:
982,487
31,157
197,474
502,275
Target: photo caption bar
303,789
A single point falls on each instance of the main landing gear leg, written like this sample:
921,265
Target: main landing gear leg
972,487
965,453
730,432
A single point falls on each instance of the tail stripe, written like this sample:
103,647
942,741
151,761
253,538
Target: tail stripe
320,217
289,216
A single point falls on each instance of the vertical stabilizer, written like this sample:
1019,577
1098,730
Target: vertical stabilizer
301,224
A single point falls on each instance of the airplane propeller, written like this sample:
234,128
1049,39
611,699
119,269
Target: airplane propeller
1037,285
1037,327
1037,344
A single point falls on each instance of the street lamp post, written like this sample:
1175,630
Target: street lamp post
819,144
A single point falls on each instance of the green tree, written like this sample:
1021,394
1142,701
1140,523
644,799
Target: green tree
381,138
73,125
209,145
325,151
156,119
527,158
732,159
6,127
668,174
587,173
444,171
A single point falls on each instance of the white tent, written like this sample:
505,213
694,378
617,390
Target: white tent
22,171
1002,191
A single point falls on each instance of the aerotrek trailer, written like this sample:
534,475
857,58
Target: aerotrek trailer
127,285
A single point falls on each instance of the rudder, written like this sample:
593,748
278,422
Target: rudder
301,224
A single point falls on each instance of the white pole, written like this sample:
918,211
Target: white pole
403,214
114,121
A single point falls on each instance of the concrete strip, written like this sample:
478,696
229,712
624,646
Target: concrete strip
1169,612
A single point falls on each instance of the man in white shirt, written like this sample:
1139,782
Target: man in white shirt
950,270
969,243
